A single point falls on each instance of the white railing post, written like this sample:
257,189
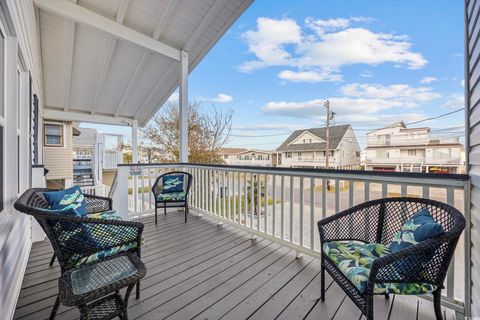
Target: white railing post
120,194
38,181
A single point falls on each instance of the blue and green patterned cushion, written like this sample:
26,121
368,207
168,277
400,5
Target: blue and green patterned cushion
71,198
420,227
355,258
96,233
171,196
172,183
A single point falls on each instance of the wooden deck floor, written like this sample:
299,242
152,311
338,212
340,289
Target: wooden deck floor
200,270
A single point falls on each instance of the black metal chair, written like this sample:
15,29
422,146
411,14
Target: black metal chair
172,199
376,222
90,284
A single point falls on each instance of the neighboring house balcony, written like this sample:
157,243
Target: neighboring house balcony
414,159
111,159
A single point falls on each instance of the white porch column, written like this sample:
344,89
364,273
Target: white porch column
135,141
183,105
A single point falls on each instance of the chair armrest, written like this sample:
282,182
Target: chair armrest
392,267
79,237
97,204
357,223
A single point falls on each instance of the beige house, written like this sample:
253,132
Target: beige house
246,157
307,148
58,152
398,148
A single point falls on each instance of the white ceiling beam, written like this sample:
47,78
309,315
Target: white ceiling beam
159,28
69,64
211,14
56,114
155,89
107,61
81,15
132,82
166,15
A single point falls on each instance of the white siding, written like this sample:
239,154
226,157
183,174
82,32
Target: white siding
473,144
15,228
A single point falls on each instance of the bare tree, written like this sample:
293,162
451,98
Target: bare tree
208,131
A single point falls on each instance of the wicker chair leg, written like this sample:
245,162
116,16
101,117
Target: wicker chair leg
387,296
165,209
125,300
322,280
437,306
369,307
137,294
53,260
186,212
55,308
156,209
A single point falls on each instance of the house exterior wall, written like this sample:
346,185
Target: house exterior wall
472,107
262,159
347,154
400,149
59,160
21,60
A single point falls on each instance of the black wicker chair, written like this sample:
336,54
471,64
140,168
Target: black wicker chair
174,203
90,286
376,222
94,204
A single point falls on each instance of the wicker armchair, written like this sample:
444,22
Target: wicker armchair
75,240
376,222
179,200
94,204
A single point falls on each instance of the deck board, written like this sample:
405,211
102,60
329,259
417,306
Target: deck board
200,270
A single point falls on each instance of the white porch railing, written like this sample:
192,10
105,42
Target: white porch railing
111,158
101,190
290,202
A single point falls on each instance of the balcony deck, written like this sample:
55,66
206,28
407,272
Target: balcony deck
204,271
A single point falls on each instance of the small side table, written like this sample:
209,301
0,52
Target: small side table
94,288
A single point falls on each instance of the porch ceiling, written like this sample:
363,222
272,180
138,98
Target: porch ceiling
114,60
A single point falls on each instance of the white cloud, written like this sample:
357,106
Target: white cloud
314,108
462,83
323,26
359,46
333,44
222,98
268,42
455,101
268,127
428,80
409,96
309,76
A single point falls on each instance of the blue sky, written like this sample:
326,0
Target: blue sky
377,62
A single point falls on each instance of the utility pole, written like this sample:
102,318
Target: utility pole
327,106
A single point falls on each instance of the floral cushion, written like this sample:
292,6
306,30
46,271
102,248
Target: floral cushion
96,233
355,258
171,196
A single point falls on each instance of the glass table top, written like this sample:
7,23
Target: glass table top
101,274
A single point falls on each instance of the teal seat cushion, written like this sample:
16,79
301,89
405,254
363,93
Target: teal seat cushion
97,232
355,258
171,196
67,199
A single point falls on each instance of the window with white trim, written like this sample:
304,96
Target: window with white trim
53,135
